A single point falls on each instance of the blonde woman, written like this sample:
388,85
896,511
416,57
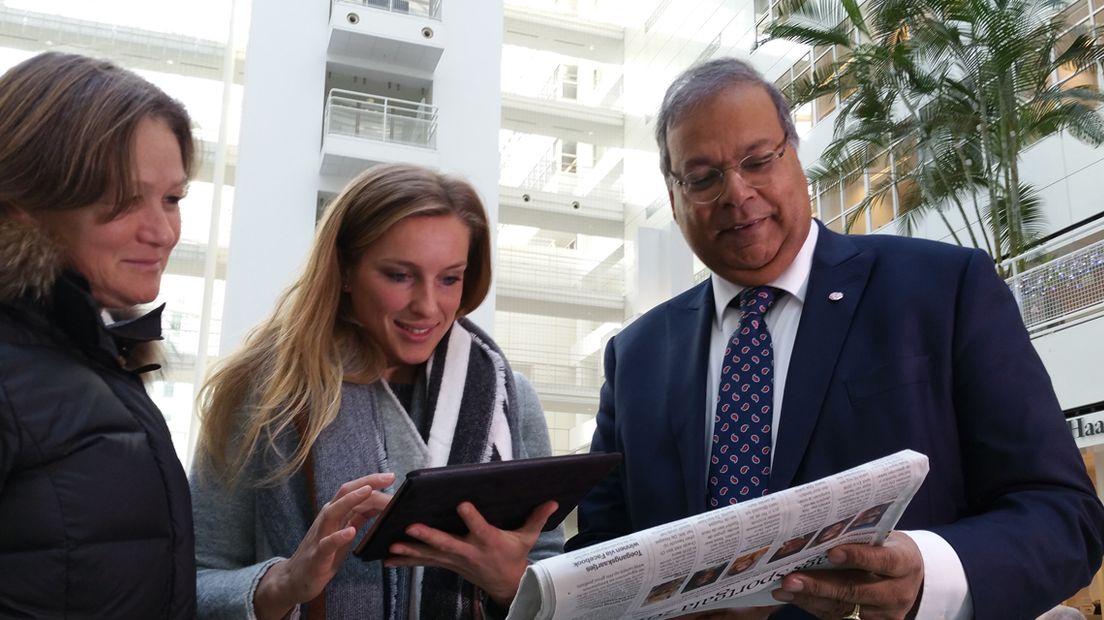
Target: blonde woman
365,371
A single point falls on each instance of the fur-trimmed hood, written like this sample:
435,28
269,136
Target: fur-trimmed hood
30,261
84,452
31,265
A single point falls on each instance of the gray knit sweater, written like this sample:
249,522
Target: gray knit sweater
232,548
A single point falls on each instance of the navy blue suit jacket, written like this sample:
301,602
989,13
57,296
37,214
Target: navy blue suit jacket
927,351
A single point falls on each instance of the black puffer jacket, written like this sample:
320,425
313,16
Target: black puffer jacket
95,515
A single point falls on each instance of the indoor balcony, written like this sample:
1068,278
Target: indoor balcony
565,383
143,49
561,357
558,193
1062,293
1062,303
580,101
361,129
182,343
576,86
594,34
398,35
189,257
557,282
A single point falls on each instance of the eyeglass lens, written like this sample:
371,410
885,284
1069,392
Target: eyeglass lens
707,185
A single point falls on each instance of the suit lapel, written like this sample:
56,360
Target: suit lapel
688,334
838,268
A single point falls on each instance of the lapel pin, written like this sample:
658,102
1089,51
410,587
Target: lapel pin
835,296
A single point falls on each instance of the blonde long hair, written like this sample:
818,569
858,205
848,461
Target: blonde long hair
290,369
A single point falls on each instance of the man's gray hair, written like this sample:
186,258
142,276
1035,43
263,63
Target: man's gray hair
700,83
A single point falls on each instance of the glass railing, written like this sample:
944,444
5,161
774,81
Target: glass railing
371,117
1064,291
417,8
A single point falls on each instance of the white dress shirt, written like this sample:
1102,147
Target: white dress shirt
945,591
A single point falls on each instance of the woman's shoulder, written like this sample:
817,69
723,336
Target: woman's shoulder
522,382
528,399
33,351
23,325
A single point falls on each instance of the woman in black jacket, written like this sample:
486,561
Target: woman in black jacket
95,515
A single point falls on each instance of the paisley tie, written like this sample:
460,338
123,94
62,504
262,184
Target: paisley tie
739,465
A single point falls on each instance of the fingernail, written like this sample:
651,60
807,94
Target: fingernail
835,556
782,595
793,585
364,490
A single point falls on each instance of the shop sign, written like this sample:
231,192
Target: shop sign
1088,429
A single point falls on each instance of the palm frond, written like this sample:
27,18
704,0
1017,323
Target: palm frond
955,89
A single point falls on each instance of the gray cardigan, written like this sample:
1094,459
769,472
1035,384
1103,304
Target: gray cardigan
232,550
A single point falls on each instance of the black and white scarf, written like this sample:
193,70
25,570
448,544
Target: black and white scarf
471,417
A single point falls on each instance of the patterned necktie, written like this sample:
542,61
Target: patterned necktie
739,466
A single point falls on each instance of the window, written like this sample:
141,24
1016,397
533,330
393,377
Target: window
569,81
825,104
829,204
569,157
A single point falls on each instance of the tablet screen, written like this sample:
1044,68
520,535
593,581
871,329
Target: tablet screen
504,492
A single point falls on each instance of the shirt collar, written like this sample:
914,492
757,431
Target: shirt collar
794,280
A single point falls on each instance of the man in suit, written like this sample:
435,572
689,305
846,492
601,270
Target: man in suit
879,344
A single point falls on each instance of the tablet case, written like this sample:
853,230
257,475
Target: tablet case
504,492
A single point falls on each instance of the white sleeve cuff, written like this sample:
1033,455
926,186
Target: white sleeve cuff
945,594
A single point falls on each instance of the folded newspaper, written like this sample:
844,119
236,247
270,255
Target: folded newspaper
730,557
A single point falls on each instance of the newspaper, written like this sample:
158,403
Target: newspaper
729,557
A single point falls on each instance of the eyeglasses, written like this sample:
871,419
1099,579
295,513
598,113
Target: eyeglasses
705,185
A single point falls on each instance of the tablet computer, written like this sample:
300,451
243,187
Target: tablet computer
504,492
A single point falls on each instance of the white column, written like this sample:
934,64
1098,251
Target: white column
664,267
278,159
466,91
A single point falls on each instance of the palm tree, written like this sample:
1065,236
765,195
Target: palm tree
954,90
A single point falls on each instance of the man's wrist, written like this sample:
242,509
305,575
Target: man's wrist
911,615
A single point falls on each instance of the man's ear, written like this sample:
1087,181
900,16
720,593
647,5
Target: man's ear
671,199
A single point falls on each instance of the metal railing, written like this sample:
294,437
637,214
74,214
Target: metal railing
560,275
656,14
543,171
559,86
544,372
547,351
361,115
1064,291
554,173
137,47
417,8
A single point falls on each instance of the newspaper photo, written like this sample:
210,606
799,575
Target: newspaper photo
729,557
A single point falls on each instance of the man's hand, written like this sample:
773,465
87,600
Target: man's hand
884,580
